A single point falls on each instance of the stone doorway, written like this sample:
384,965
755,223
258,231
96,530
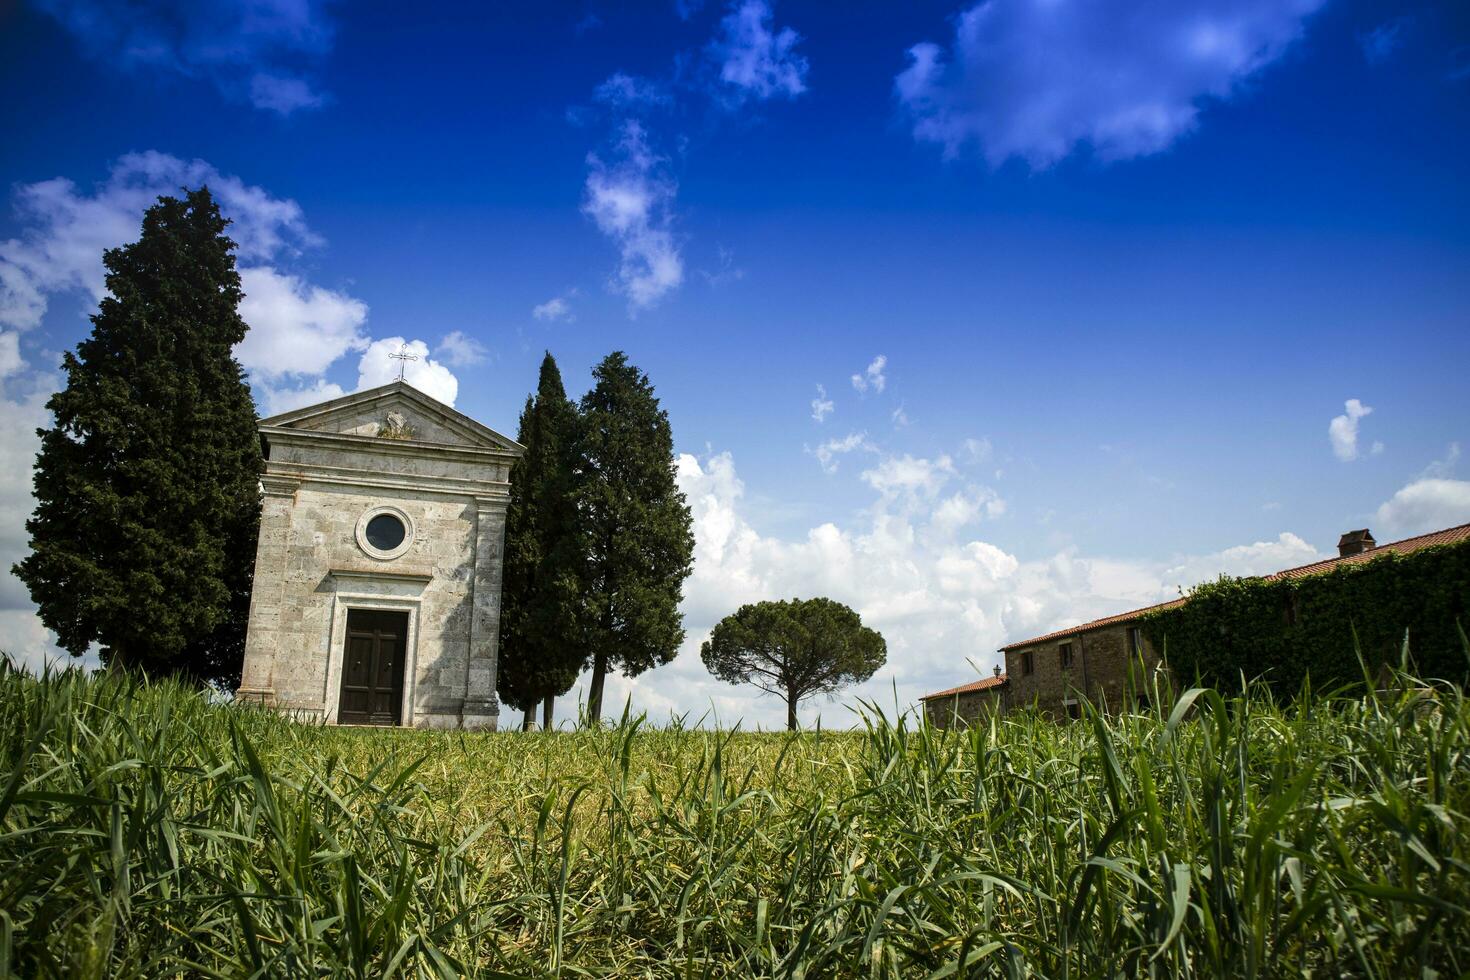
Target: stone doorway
372,668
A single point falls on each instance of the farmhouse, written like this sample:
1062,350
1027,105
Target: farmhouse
1055,671
378,565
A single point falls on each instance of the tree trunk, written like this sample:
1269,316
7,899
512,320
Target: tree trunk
528,723
791,711
594,691
546,712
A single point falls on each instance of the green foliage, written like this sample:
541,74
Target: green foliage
639,532
1287,630
147,501
542,635
794,649
145,832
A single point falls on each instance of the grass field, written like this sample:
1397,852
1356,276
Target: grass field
146,832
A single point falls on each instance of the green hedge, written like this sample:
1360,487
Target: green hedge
1287,630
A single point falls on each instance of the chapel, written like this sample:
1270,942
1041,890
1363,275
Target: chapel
378,566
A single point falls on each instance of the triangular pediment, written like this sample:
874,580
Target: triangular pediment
395,411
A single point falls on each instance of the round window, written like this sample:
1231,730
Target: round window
386,532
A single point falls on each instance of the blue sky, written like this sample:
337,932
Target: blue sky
1107,274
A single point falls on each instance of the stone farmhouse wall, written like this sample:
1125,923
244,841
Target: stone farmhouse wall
966,708
1098,669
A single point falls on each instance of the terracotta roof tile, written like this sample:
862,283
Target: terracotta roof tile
984,684
1450,535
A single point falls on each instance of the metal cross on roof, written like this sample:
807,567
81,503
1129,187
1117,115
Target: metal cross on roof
403,357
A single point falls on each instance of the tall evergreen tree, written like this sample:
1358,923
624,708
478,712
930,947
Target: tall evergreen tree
147,494
543,644
639,537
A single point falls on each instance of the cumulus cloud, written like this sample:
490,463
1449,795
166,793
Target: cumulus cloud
872,377
917,569
630,197
459,349
298,329
251,51
1342,431
755,61
554,309
295,327
1427,504
66,229
427,375
1034,79
822,406
23,394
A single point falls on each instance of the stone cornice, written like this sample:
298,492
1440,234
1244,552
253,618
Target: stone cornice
342,476
279,484
386,447
406,575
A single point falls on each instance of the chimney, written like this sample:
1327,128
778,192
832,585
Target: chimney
1355,543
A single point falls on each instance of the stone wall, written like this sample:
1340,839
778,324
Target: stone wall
325,474
1098,670
966,708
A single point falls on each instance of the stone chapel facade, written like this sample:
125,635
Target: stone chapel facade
378,567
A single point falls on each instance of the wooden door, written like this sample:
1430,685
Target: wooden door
372,668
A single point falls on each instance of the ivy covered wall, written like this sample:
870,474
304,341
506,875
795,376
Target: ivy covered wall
1287,629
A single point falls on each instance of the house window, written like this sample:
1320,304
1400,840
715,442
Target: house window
1074,709
1135,641
1026,665
1064,656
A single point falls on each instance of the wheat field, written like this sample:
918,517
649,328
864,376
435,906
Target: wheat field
148,832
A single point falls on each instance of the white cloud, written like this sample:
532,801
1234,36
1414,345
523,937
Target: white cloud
755,61
66,230
459,349
1342,431
1427,504
278,398
250,50
908,477
900,417
873,376
23,395
425,374
941,596
1286,551
1033,79
828,451
631,201
295,328
822,406
298,330
556,308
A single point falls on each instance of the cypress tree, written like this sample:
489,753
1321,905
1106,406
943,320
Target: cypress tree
147,499
639,537
542,640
